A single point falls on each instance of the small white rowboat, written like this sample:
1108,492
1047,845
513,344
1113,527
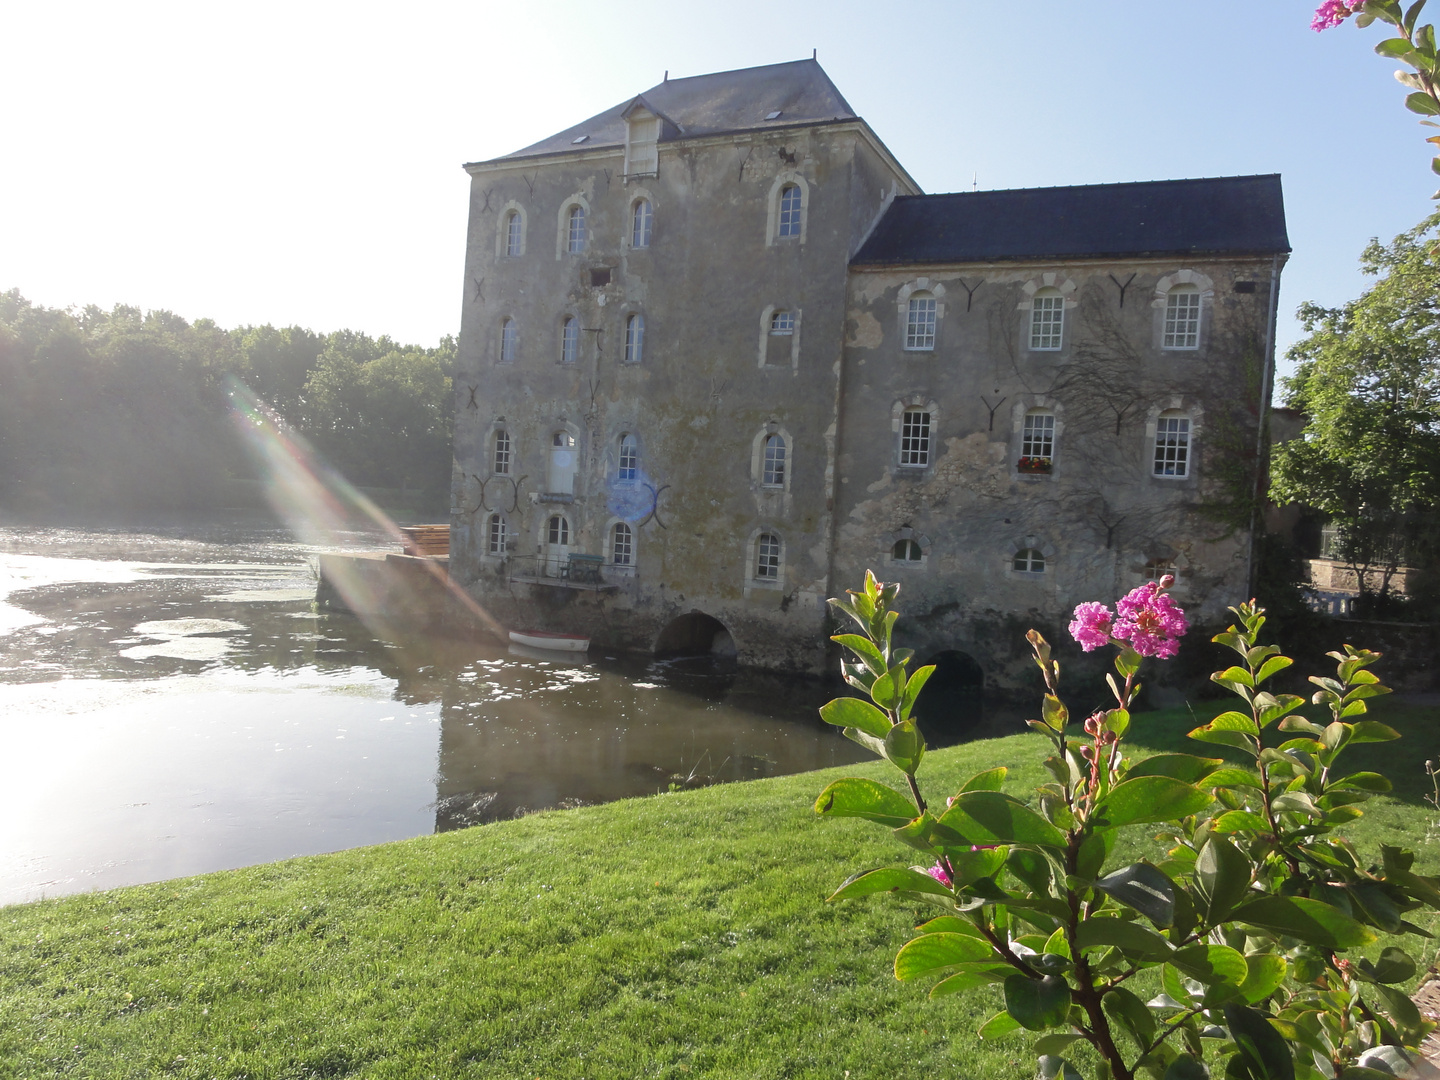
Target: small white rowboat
543,639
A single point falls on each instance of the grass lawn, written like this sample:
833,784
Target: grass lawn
682,935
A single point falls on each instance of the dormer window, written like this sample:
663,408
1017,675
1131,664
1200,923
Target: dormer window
578,140
775,115
642,138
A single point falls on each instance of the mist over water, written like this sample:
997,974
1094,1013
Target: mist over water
172,703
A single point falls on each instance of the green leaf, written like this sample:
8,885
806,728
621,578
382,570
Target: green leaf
1220,968
1054,712
864,648
969,977
932,953
1266,1054
1266,973
1392,1060
1220,735
913,687
950,924
885,692
1233,821
1130,938
1037,1003
1363,781
1234,676
1151,798
1053,1043
1144,888
854,797
989,780
1094,850
1272,666
1394,47
1119,1003
1222,874
857,713
1000,1024
1307,920
1030,867
904,746
1373,731
1232,776
1186,1067
1184,767
989,817
1379,908
870,742
1422,103
888,879
1394,966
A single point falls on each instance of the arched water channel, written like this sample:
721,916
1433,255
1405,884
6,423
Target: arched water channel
172,703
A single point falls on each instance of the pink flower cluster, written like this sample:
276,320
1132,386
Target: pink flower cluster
1146,618
1333,13
938,873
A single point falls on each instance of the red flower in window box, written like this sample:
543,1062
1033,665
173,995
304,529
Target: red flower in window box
1033,464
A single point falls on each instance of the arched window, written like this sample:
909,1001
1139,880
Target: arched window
514,233
767,557
1037,442
500,462
1172,444
1047,320
570,340
790,211
634,338
575,236
622,545
641,217
558,530
782,323
509,339
496,540
774,464
1029,561
907,551
915,439
629,470
1182,317
920,322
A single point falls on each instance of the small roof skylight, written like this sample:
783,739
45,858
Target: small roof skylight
773,115
578,139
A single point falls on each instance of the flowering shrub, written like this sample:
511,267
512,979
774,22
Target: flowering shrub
1247,919
1033,464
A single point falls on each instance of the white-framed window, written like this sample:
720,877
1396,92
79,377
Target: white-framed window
642,215
907,551
500,460
915,438
570,340
575,234
791,211
1047,320
773,474
1157,568
1172,444
629,469
496,534
509,340
514,233
920,322
782,324
767,557
1037,442
634,338
1028,561
557,530
622,544
1182,318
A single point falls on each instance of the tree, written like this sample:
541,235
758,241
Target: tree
1368,378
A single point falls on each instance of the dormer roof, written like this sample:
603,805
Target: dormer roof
728,101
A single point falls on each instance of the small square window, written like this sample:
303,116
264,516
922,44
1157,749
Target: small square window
907,551
1029,561
600,277
782,322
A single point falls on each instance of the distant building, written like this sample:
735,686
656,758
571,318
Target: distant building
719,355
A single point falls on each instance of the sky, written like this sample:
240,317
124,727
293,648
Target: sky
299,163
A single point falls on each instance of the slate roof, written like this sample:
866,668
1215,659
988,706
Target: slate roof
1229,215
711,105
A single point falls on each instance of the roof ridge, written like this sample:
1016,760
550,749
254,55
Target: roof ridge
1103,184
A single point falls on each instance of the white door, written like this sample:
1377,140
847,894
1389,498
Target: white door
561,480
557,544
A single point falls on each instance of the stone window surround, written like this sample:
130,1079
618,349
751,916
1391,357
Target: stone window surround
562,232
907,533
1025,405
1162,295
1048,280
902,307
757,458
1025,543
915,402
1196,414
635,198
764,353
772,217
502,232
752,560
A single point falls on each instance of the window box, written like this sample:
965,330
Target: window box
1035,466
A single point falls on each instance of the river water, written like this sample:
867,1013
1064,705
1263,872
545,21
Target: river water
172,703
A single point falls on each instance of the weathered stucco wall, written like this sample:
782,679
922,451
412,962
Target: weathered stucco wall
1100,515
710,385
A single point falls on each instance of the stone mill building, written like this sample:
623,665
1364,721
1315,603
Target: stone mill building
719,355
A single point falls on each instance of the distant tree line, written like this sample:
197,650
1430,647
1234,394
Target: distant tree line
129,408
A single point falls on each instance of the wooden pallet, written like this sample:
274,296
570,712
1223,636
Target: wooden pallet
426,539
